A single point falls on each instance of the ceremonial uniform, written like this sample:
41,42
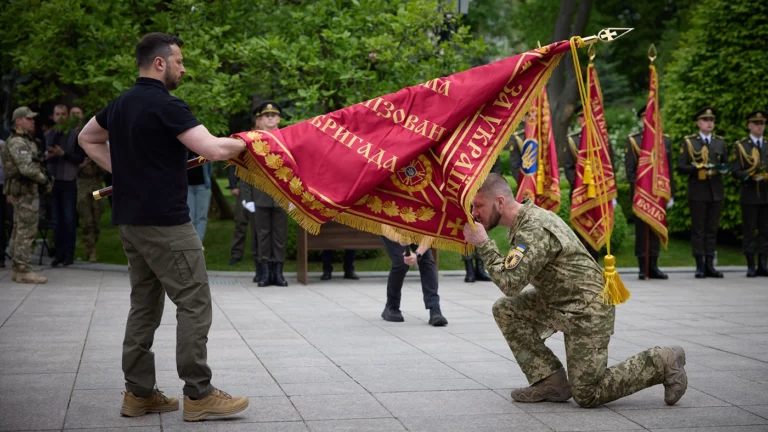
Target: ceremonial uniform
750,166
89,179
23,173
645,240
704,160
566,296
270,223
243,217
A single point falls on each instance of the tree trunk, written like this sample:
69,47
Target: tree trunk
220,208
562,89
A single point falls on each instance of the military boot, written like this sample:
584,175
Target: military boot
218,403
554,388
641,266
259,272
29,277
392,314
134,406
700,267
762,268
655,272
710,270
751,272
265,276
470,277
675,378
279,280
480,273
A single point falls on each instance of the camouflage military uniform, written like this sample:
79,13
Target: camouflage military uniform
566,297
23,174
89,179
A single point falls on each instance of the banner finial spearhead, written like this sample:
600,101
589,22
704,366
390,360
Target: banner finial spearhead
652,53
605,35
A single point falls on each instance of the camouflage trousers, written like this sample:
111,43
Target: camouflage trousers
26,213
89,210
523,321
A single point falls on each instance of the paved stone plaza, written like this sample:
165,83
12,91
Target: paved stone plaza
320,358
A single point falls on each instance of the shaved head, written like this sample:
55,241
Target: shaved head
496,185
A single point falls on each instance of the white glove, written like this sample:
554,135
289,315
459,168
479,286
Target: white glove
250,206
614,202
758,178
670,203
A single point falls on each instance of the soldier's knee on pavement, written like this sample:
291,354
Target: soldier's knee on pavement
585,396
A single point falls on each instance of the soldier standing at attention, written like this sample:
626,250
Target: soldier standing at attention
23,173
703,158
653,245
567,297
270,220
751,167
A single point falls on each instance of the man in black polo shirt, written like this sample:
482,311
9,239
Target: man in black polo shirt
149,132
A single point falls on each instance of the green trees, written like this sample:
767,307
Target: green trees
717,63
315,56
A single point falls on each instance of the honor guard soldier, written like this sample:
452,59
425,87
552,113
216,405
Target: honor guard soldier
704,159
270,220
644,242
751,168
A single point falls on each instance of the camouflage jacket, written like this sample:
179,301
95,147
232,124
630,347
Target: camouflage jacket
21,165
546,254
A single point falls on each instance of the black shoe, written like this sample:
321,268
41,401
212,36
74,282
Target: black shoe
2,264
710,270
436,318
480,273
56,263
279,280
351,275
762,268
751,271
655,273
258,273
700,267
470,277
392,315
326,275
264,279
233,261
641,266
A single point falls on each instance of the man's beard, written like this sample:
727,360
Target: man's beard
494,219
170,83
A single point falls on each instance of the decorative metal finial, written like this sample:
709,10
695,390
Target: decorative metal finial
607,35
591,52
652,53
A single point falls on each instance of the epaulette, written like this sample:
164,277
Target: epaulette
634,134
718,137
574,134
692,136
666,135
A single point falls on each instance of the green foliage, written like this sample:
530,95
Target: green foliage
314,56
716,65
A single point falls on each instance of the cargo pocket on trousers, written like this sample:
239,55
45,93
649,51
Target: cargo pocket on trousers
189,260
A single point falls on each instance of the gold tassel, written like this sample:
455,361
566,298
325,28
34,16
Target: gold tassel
614,292
540,180
589,179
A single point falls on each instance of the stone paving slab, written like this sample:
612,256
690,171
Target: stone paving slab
320,358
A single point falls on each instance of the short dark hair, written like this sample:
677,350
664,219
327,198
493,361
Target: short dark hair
495,185
155,45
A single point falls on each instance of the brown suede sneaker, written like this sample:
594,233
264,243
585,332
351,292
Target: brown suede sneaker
29,277
554,388
218,403
157,403
675,378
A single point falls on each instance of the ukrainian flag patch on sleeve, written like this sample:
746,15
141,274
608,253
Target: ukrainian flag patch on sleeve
515,256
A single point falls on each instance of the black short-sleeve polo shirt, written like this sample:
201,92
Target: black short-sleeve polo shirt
149,163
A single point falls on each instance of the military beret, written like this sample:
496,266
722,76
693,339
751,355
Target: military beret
705,113
757,116
265,107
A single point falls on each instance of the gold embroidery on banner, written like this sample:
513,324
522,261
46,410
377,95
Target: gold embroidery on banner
391,208
415,176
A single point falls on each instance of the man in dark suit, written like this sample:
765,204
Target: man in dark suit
751,167
703,157
646,241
